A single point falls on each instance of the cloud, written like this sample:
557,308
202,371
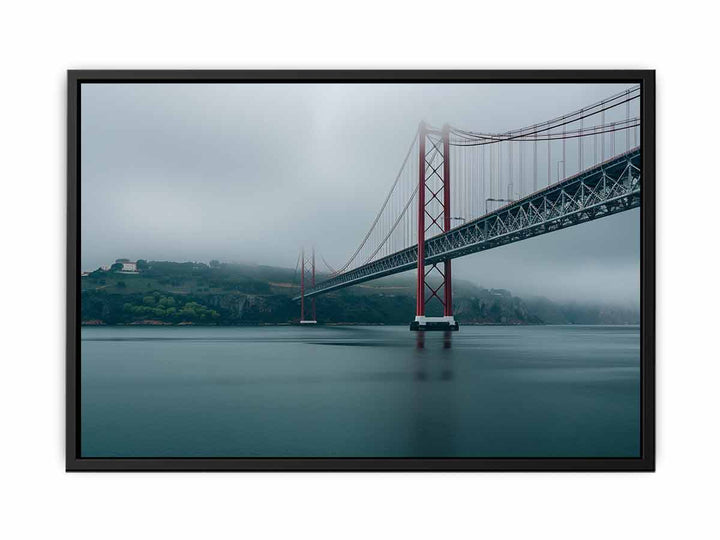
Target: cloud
250,172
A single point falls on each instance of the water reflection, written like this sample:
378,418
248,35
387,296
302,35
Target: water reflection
447,339
434,407
421,360
360,391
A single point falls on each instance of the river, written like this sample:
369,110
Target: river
485,391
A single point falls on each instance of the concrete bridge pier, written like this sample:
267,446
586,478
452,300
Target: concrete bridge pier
423,323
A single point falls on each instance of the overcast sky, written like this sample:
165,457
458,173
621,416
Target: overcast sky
249,173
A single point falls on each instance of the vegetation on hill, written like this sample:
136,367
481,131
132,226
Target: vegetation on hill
233,294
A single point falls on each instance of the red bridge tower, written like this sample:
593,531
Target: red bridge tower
433,219
307,266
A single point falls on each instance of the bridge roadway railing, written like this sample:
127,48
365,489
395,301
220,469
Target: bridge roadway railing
609,188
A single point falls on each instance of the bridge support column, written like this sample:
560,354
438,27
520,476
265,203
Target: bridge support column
433,178
312,300
420,294
304,263
302,284
448,311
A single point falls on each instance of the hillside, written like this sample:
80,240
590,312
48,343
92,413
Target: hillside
233,294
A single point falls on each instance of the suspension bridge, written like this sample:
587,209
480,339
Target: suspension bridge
460,192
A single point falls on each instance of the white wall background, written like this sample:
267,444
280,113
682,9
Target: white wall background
40,40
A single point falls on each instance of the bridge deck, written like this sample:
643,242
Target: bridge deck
609,188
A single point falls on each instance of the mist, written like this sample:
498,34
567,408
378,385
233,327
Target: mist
251,172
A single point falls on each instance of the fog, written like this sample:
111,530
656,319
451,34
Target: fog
249,173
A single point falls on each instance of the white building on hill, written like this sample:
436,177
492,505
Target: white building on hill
128,267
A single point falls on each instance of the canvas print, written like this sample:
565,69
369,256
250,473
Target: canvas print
359,270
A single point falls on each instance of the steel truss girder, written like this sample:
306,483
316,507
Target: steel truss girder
609,188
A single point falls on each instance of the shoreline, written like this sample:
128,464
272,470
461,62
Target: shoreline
256,325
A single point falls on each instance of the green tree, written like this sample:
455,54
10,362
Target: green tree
167,301
116,267
214,263
142,264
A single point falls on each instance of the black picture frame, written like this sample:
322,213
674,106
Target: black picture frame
646,461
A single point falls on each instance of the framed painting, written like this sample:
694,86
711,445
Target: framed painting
361,270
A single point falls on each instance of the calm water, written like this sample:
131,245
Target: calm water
360,391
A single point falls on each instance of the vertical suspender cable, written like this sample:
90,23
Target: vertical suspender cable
580,146
602,138
564,159
627,119
535,163
549,160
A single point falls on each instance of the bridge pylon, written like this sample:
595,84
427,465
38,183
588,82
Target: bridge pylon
433,219
307,266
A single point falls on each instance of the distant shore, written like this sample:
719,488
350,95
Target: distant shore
96,323
165,293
